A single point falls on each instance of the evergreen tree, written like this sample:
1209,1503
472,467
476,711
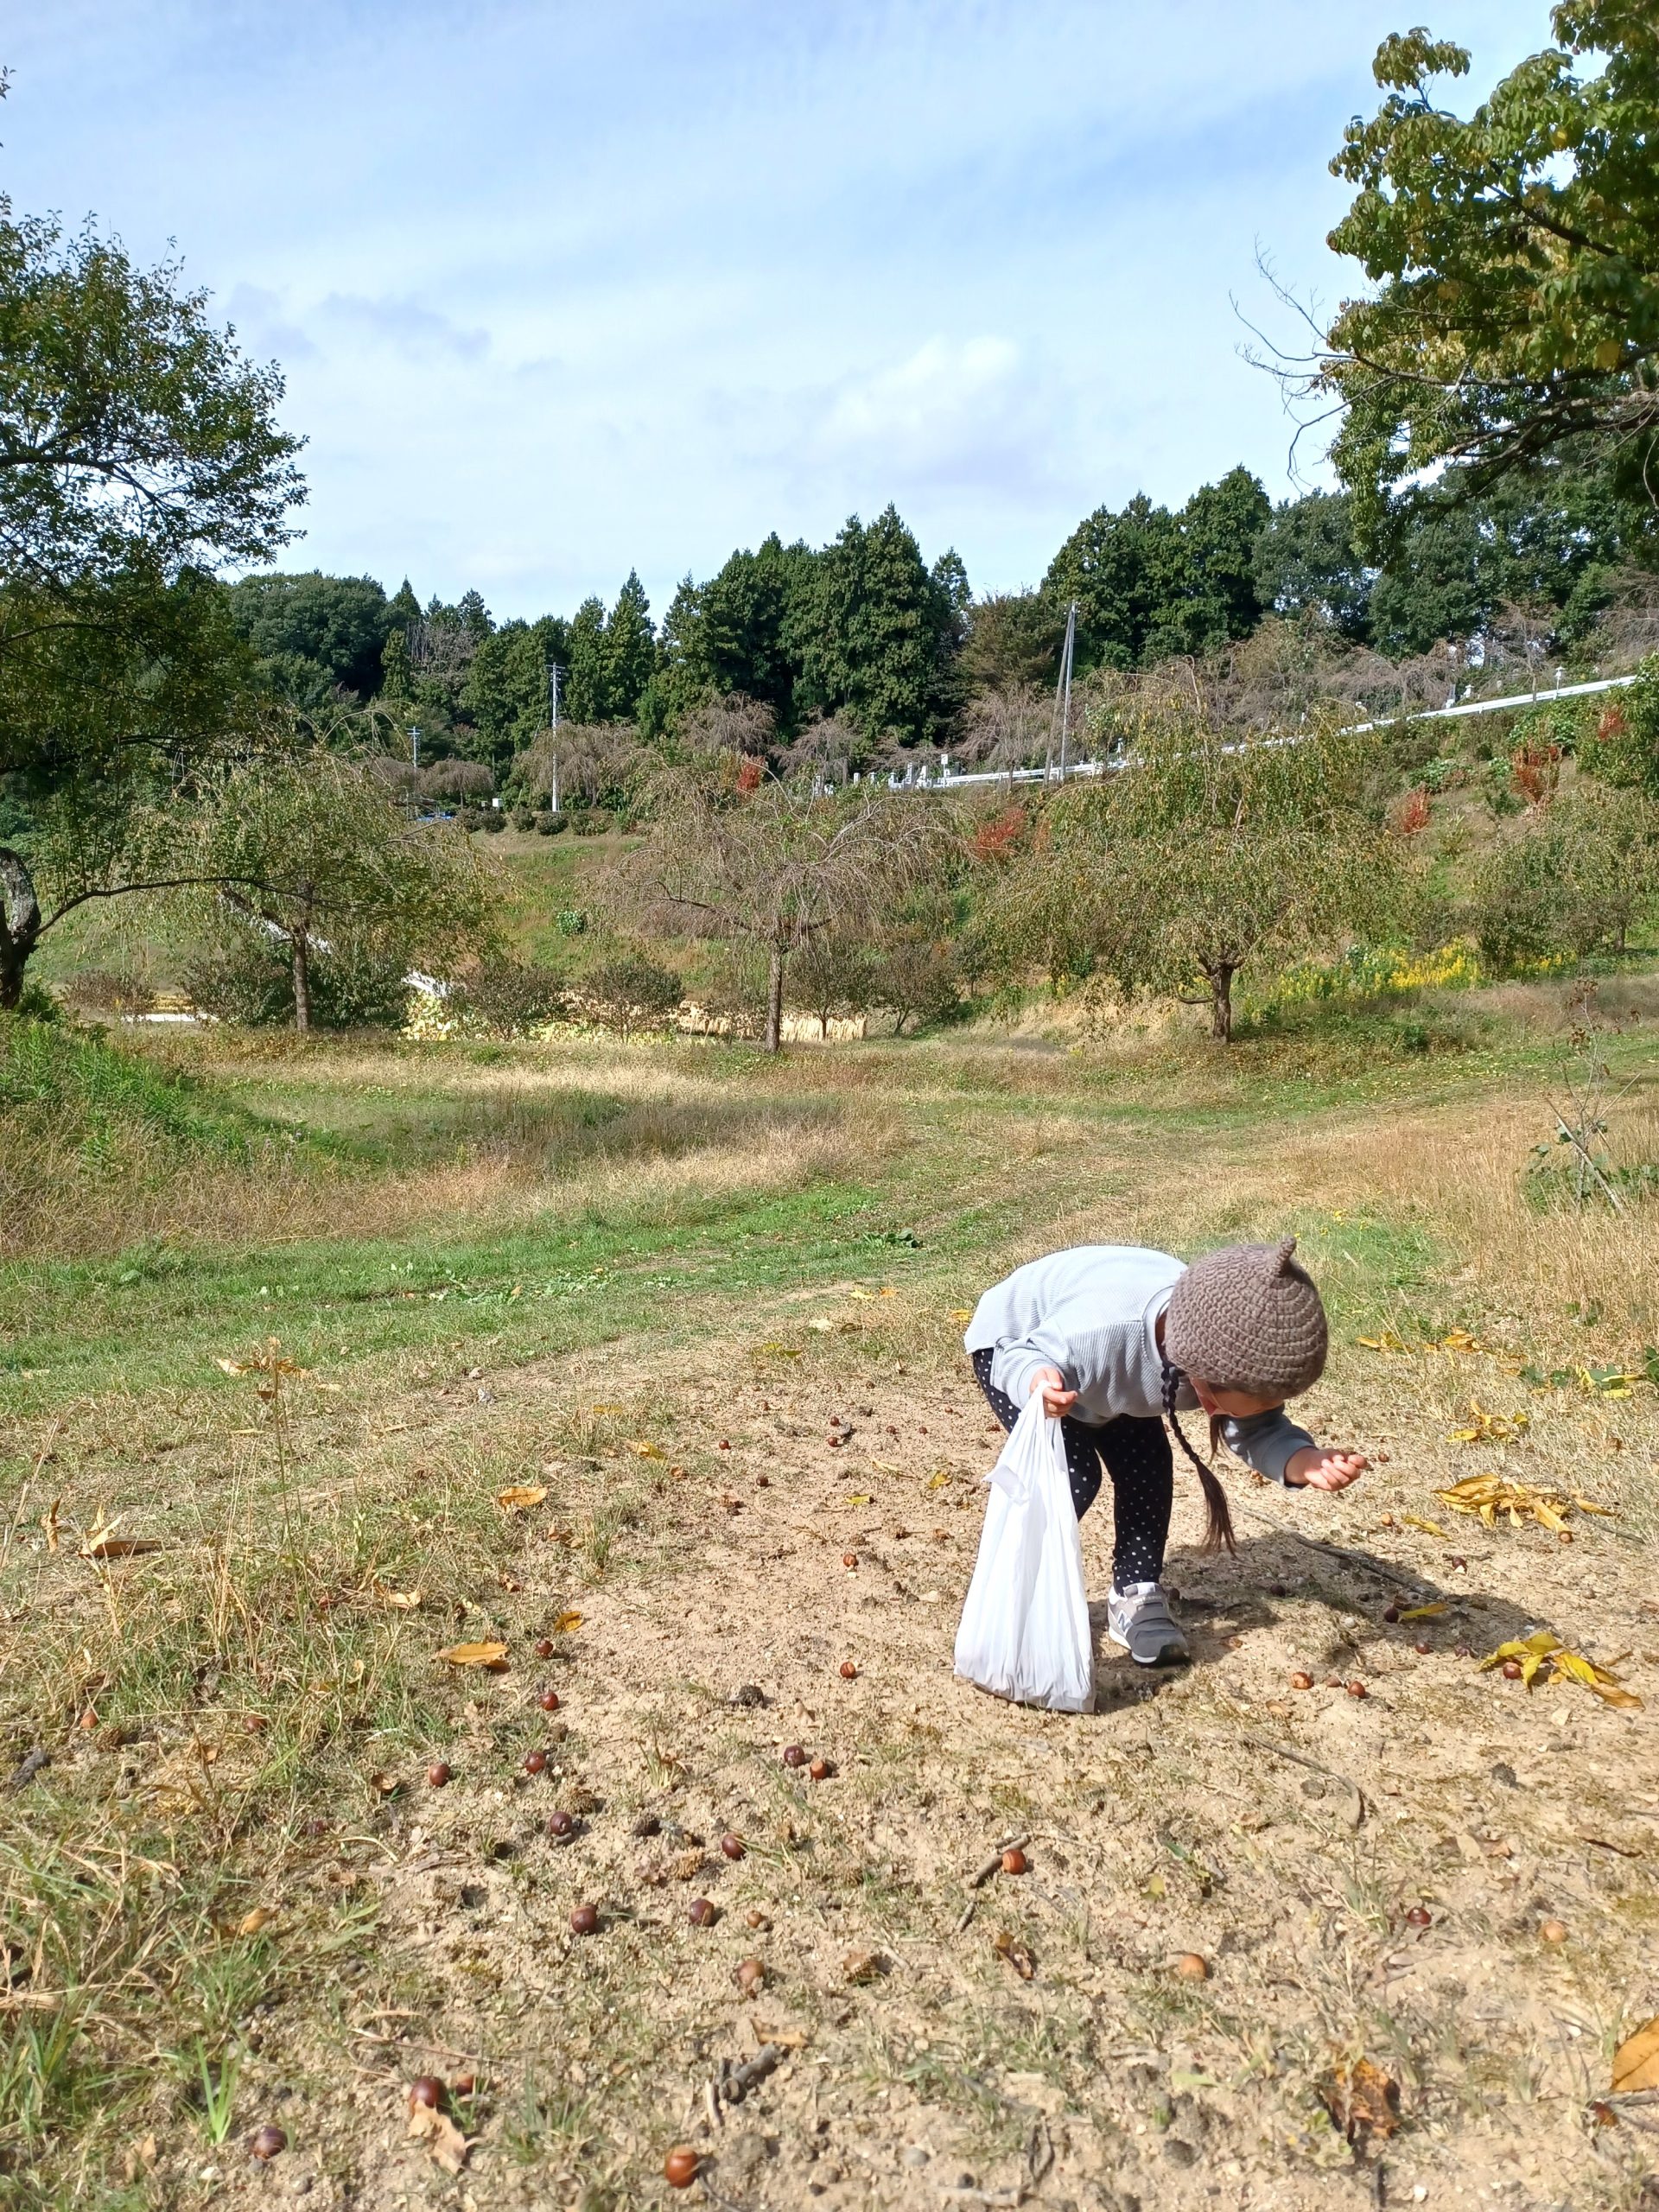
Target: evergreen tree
588,692
876,631
473,616
630,648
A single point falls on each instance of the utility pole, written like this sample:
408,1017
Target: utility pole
553,713
415,742
1063,688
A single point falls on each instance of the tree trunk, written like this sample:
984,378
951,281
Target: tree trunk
302,982
19,924
775,999
1221,1004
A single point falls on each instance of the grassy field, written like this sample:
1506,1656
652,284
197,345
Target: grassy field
280,1328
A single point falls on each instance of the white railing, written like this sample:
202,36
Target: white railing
945,778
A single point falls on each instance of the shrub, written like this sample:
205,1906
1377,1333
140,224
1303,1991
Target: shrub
591,821
1572,884
916,978
109,990
250,980
1623,750
549,824
632,992
510,997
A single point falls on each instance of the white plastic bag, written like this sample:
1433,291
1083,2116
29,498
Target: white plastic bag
1024,1627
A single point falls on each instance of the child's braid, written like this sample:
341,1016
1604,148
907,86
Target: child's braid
1219,1532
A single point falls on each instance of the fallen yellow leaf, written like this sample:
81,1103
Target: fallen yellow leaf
518,1497
938,1480
251,1923
1427,1612
645,1449
1428,1528
1387,1342
566,1624
492,1655
966,1313
860,1498
401,1601
50,1523
1636,2062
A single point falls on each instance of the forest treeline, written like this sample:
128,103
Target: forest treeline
864,629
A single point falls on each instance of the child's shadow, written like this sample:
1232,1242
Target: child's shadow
1223,1599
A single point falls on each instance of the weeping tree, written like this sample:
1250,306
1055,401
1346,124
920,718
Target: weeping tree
316,858
771,864
1200,855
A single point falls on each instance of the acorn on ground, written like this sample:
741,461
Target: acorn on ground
1014,1861
437,1775
1191,1967
425,2092
584,1921
680,2166
268,2142
731,1845
849,1671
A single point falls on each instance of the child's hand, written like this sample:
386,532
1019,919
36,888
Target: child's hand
1056,1399
1313,1468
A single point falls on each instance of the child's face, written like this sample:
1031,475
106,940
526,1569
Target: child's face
1231,1405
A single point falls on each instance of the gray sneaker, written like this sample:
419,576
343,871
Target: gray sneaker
1140,1619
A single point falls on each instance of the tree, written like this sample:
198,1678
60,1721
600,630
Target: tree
316,854
832,974
1149,584
1013,640
1516,261
1204,853
917,977
506,693
877,633
138,449
313,632
630,649
588,692
774,865
1305,562
1577,878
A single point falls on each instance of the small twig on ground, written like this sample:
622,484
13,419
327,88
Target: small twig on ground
1365,1559
30,1765
711,2104
754,2071
983,1874
1283,1750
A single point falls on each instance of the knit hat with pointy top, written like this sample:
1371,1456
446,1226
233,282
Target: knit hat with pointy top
1247,1317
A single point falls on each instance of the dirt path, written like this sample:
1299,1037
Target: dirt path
1477,1925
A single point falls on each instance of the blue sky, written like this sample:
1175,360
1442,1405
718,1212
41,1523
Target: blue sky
564,289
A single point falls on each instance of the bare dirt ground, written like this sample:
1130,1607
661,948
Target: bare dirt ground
1451,1884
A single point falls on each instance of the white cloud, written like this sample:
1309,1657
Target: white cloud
564,290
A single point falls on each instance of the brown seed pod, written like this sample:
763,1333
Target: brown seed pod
534,1761
850,1558
1333,1682
731,1845
755,1918
702,1912
680,2166
1301,1681
549,1700
438,1775
1015,1862
584,1921
1358,1690
267,2143
1419,1916
849,1671
1422,1650
426,2090
1192,1968
1511,1671
821,1770
749,1975
794,1755
464,2084
1391,1613
545,1646
561,1823
1553,1931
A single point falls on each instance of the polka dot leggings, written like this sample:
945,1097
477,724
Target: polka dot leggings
1135,1454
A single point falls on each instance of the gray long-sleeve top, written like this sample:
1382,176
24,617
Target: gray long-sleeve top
1092,1312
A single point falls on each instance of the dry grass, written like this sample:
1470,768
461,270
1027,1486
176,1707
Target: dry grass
260,1714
